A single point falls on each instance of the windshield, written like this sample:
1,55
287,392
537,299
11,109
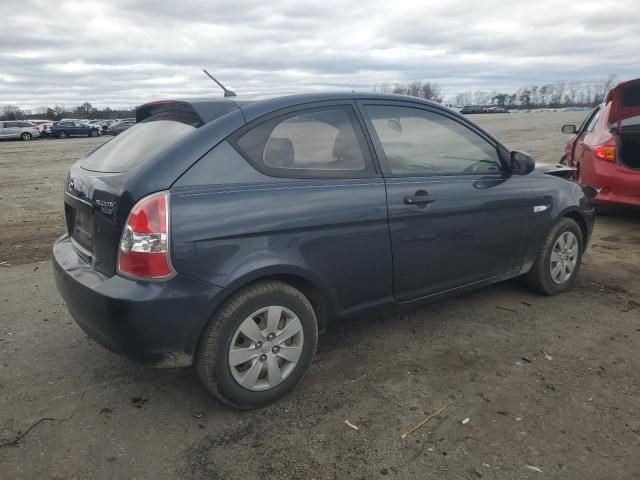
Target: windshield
140,142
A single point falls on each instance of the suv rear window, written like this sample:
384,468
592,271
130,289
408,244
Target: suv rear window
141,141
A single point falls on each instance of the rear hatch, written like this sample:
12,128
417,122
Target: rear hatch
102,188
624,119
625,105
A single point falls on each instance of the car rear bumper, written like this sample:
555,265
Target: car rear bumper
156,323
617,184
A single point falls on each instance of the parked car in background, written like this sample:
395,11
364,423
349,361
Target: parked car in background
44,126
228,233
66,129
121,126
18,129
472,109
97,124
605,148
105,125
453,106
496,109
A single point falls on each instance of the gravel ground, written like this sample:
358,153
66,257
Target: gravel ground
551,386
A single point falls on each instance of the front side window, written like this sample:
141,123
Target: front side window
584,123
319,142
594,119
421,142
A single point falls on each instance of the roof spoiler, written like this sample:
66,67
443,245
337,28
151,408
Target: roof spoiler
203,110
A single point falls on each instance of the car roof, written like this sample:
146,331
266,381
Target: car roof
254,106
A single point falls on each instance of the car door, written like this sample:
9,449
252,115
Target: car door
456,216
582,148
80,129
11,130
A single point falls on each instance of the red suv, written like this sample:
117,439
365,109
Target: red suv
606,147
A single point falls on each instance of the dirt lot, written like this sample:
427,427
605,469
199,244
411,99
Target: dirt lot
547,383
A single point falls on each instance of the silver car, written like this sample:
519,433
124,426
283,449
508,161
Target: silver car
18,129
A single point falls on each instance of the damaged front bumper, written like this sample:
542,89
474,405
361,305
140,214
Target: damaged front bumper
156,323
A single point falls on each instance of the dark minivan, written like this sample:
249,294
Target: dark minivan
227,233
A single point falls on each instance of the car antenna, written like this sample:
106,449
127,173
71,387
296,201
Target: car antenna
227,92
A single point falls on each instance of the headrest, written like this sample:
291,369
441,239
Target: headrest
347,150
279,153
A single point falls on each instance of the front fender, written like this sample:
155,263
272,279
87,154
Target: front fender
560,198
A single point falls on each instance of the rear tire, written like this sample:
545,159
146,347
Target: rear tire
556,269
253,369
25,136
93,133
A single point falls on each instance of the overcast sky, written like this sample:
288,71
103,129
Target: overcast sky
125,52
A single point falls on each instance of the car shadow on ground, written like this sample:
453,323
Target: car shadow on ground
344,351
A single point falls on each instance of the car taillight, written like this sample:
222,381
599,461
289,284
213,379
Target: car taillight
606,151
144,246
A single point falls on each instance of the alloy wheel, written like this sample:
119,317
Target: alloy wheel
564,257
265,348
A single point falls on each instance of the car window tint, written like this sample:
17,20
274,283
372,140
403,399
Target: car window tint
11,124
140,142
304,143
594,119
419,142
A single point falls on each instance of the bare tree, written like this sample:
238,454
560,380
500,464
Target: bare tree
11,112
431,91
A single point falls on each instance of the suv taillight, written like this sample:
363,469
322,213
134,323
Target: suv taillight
144,246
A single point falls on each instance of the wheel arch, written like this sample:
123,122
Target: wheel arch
301,279
579,218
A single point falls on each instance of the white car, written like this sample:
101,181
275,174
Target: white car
18,129
44,126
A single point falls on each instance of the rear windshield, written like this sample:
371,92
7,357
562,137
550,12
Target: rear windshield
631,96
140,142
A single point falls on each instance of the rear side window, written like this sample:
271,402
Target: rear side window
140,142
320,142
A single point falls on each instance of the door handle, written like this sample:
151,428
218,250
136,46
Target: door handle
419,199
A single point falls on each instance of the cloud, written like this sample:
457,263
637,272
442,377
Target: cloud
125,52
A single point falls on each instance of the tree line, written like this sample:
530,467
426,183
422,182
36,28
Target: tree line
58,112
550,95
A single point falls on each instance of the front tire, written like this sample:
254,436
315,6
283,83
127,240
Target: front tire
558,262
258,346
93,133
62,134
25,136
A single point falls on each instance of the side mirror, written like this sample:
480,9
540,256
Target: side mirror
521,163
570,129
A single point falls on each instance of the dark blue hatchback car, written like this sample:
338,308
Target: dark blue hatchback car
227,233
